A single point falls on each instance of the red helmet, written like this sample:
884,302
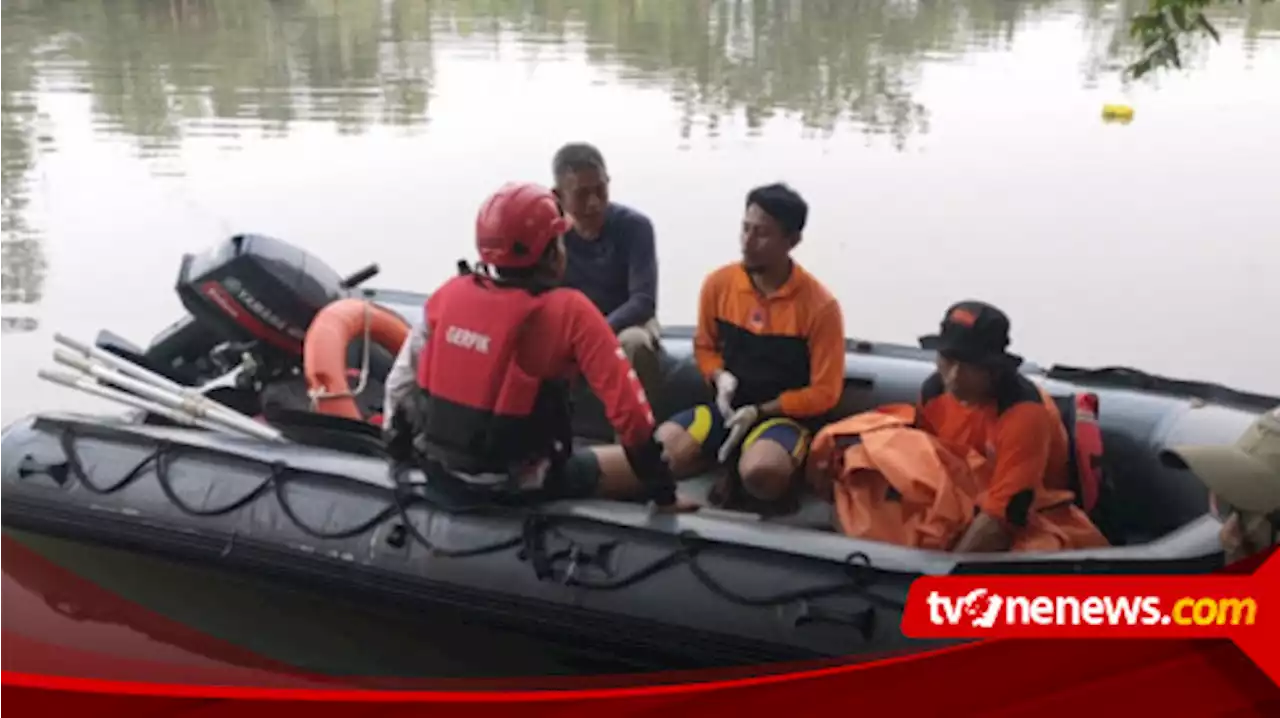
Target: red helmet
516,224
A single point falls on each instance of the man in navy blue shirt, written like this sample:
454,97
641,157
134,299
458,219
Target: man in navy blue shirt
611,258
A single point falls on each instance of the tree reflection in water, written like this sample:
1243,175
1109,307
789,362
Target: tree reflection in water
160,72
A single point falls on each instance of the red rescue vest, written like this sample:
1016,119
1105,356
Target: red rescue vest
483,412
1088,481
1088,452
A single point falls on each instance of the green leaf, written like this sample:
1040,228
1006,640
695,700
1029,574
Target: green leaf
1204,24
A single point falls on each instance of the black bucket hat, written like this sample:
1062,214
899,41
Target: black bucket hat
975,333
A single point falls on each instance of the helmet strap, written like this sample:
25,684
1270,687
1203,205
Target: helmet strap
484,274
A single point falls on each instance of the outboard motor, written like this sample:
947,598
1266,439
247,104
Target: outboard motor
250,291
255,288
250,300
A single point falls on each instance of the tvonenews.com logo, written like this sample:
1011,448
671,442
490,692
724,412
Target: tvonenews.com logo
984,609
1237,607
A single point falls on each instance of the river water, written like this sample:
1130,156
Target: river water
949,149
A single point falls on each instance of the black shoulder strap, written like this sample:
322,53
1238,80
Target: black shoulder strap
532,285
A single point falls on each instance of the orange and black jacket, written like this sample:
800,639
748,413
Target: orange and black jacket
1021,433
787,346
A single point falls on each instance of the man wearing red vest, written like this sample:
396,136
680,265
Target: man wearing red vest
479,393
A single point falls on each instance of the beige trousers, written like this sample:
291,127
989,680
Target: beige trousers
641,344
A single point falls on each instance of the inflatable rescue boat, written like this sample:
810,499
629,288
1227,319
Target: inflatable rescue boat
251,455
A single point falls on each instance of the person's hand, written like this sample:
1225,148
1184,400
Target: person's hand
726,385
1232,537
738,424
819,478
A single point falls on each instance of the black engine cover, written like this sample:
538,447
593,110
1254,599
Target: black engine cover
253,287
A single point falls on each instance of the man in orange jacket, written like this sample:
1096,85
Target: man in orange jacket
978,401
770,340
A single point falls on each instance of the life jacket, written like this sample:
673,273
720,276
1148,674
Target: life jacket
481,412
892,482
1080,415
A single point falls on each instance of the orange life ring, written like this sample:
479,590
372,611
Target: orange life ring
324,351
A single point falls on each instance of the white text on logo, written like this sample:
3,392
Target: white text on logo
467,339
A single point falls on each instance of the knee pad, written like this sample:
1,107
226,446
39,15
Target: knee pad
705,424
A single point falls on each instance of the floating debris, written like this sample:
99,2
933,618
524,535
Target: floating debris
1122,114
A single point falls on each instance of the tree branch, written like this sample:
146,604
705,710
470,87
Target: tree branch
1161,30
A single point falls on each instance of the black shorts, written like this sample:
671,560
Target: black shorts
579,478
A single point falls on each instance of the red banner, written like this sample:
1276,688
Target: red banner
1240,608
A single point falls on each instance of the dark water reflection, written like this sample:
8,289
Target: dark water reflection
163,70
165,78
137,613
23,263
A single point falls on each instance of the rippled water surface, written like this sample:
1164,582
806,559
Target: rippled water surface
950,148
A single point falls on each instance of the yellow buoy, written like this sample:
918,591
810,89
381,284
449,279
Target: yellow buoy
1117,113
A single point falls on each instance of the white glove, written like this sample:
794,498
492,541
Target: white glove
726,384
738,424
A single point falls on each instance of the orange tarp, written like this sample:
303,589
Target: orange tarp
894,483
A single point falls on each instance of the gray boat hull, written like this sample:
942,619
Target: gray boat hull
708,588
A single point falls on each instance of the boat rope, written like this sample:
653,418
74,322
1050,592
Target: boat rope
857,566
536,527
165,453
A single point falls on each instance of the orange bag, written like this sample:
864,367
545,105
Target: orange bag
892,482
